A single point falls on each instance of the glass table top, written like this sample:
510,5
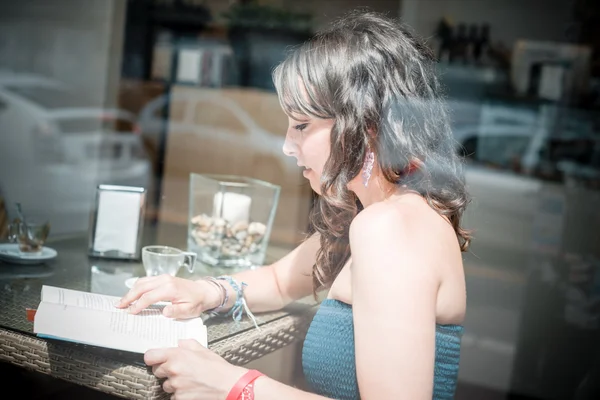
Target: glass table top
20,285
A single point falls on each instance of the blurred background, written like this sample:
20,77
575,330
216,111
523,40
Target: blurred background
145,92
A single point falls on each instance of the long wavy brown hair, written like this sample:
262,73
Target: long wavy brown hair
368,73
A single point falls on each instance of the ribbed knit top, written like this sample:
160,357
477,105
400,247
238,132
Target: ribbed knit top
328,356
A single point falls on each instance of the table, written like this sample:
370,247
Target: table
111,371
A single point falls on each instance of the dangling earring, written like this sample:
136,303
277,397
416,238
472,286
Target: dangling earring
368,167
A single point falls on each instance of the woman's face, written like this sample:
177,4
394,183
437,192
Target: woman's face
308,141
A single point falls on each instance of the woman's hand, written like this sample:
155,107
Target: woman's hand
188,298
193,372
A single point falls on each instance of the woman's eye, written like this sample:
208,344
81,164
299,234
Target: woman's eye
300,127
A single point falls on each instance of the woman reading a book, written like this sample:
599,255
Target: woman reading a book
370,129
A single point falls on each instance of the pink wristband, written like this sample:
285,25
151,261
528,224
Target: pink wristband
244,381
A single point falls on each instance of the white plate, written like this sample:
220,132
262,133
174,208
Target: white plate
10,252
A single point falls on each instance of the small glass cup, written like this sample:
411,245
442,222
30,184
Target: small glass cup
158,260
30,236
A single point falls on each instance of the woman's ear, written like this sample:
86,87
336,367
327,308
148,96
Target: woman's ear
371,134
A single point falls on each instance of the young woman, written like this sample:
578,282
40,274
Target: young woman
370,129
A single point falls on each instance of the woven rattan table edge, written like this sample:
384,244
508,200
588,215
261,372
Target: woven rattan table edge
254,343
120,379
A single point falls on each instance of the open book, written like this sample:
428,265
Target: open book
93,319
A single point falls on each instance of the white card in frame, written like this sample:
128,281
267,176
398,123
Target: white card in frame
117,223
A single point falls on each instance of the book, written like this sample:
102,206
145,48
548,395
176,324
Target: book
93,319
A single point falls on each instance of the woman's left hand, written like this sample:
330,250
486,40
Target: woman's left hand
193,372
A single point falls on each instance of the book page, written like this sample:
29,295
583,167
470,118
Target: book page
118,329
51,294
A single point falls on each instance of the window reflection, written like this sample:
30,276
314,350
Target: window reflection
143,93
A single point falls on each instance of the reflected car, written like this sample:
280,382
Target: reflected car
217,131
58,148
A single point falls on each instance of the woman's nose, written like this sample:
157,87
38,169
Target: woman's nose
289,148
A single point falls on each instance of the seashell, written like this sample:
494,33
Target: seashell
257,228
220,222
202,221
239,226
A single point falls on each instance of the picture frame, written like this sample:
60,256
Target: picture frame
117,222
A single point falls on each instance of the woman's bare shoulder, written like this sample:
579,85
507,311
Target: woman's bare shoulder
413,214
413,225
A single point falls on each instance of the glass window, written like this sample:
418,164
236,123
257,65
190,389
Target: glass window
162,95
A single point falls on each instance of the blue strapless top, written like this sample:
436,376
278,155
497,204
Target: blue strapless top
328,357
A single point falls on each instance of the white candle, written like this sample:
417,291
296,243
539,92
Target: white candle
236,207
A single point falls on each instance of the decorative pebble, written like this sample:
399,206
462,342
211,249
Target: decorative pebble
217,234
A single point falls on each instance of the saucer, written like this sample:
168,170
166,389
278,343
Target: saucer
10,252
130,282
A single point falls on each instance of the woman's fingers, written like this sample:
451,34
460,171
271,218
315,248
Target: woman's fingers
157,359
168,387
161,293
142,287
181,311
185,295
139,288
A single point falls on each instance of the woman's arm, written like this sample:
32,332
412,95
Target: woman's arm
192,371
274,286
268,288
395,281
269,389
